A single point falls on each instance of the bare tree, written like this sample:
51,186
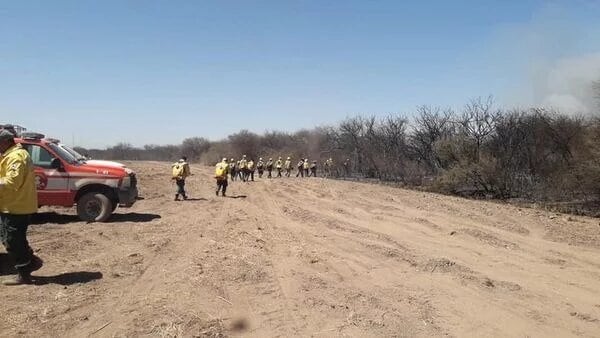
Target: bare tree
430,126
478,122
194,147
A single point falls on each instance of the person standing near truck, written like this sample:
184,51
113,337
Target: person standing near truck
180,171
18,201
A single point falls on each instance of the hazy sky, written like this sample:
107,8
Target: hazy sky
101,72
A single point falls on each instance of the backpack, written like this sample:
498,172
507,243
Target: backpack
178,170
220,171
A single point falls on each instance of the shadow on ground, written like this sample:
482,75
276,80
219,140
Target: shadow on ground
53,217
7,268
68,278
238,196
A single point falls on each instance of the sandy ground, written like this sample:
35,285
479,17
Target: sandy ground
308,257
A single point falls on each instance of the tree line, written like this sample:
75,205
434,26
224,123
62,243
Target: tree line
481,151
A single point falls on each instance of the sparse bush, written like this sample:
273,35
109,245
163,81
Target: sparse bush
484,152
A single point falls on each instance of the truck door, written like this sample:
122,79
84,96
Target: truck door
52,184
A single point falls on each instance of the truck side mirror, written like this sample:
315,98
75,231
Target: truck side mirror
56,164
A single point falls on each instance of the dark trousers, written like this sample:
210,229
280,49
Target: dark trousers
300,172
288,172
260,172
269,175
13,232
306,172
313,172
222,187
279,172
251,172
180,187
233,174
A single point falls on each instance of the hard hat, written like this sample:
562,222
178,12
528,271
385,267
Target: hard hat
289,158
224,159
270,158
244,156
260,159
231,160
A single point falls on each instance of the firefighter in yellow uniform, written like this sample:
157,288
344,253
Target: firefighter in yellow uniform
181,170
18,201
300,165
243,167
221,172
251,170
261,167
288,166
269,168
279,166
328,167
306,167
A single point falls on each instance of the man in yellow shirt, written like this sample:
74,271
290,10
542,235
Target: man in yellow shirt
288,166
251,170
181,171
221,171
18,201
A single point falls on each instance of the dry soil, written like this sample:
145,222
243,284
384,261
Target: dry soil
307,257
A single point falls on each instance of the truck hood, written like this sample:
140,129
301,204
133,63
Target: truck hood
104,163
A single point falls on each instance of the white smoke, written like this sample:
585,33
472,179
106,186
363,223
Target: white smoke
554,60
569,85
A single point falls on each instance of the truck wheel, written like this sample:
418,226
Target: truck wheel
94,207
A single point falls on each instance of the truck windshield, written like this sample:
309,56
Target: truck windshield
73,152
65,155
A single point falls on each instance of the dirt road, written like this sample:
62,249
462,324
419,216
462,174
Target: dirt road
308,257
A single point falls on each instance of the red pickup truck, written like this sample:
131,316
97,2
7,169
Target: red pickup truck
97,189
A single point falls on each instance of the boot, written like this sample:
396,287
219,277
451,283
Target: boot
176,197
35,264
22,278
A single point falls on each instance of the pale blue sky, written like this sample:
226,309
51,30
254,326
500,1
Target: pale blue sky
101,72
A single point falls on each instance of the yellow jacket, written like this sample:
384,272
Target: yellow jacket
184,173
18,193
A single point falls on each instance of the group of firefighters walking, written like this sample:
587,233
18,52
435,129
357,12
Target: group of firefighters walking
245,168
